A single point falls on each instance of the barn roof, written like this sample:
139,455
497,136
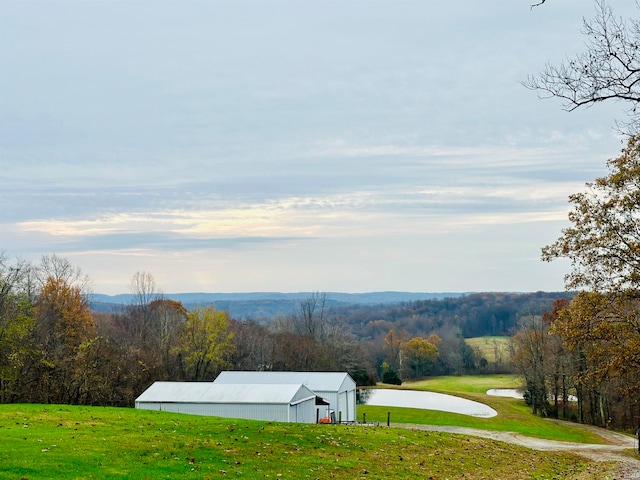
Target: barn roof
316,381
208,392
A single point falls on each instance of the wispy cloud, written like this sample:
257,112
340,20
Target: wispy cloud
360,214
323,141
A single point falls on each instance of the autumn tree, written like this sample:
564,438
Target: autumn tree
64,327
16,323
206,343
168,317
62,271
609,68
392,365
393,348
418,356
293,352
603,331
562,364
603,243
531,360
151,326
253,345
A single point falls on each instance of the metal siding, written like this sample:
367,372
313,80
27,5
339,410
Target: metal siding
352,405
316,381
276,413
331,397
300,412
303,412
281,403
208,392
342,404
347,384
148,405
307,411
338,388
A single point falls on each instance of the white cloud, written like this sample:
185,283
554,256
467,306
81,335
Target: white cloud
391,147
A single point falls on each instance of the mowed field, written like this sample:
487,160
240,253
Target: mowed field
56,441
494,349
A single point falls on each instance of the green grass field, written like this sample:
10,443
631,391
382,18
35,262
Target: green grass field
57,441
492,348
513,415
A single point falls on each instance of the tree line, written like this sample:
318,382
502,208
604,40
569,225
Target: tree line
589,347
54,349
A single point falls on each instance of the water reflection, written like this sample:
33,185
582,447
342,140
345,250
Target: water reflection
424,400
362,395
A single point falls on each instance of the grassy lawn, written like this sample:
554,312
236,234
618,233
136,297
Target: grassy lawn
491,347
467,383
513,414
52,441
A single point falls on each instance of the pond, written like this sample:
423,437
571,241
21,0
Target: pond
517,393
424,400
506,392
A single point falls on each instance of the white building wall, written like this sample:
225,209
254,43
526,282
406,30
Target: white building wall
303,412
342,405
341,396
351,409
343,402
332,398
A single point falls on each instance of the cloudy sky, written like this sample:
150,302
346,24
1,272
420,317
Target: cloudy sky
293,145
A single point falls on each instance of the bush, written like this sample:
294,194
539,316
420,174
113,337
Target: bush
391,377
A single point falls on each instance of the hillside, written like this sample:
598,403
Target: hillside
59,441
267,304
369,315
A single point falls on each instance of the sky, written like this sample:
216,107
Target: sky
294,145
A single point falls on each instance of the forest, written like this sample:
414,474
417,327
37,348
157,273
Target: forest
55,349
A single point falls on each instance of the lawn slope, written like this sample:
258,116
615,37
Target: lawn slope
52,441
513,414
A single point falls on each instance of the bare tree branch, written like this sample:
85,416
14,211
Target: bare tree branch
608,70
537,4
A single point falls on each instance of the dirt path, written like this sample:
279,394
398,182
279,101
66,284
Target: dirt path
611,451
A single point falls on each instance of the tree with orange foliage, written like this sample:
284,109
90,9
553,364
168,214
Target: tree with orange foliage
602,324
64,327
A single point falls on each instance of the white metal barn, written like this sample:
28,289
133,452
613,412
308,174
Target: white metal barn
272,402
338,388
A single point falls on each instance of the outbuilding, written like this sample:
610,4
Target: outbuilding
337,388
271,402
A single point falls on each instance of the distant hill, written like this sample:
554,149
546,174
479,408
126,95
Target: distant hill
371,315
267,304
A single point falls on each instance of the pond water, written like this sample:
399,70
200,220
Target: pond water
506,392
515,393
424,400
